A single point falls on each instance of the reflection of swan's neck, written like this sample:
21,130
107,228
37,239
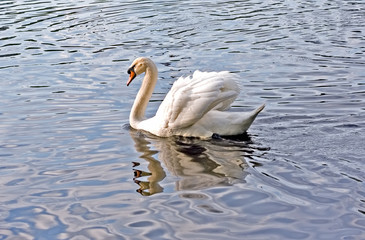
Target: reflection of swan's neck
144,95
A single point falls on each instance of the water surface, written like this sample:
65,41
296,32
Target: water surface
71,167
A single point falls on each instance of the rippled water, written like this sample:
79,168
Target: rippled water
71,168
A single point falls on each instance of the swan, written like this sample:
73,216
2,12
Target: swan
195,106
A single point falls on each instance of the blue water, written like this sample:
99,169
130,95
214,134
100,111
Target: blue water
71,167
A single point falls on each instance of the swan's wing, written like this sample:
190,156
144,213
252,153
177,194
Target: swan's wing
191,98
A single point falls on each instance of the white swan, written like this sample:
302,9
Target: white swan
194,107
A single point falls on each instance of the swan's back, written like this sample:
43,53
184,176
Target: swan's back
190,98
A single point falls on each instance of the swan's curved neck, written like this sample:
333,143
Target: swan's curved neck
144,94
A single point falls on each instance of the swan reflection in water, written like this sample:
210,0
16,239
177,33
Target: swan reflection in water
197,164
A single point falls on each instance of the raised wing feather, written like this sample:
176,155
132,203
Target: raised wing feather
191,98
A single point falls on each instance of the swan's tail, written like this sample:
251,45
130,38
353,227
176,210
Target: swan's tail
247,121
258,110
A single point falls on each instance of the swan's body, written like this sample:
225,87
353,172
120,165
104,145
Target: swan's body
195,106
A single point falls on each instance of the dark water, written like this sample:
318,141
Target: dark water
70,167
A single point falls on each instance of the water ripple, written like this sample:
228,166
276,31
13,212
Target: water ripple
71,168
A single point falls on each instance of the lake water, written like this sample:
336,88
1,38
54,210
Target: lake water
71,167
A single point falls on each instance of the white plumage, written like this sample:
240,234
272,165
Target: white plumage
195,106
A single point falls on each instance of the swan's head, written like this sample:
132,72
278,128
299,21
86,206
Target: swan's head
138,67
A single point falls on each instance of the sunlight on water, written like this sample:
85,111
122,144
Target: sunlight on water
71,167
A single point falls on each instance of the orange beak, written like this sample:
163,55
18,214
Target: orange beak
132,75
